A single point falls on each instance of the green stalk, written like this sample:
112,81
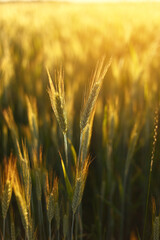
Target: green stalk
150,170
80,146
76,225
72,226
66,148
147,202
80,221
49,230
42,235
58,234
4,221
123,209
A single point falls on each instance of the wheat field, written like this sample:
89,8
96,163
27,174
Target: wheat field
79,121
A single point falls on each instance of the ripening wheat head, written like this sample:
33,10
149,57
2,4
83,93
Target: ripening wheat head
92,95
81,176
52,201
32,116
9,118
21,201
25,171
9,169
56,94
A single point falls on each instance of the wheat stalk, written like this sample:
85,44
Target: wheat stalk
13,233
65,226
156,122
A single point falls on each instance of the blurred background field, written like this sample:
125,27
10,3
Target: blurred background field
34,36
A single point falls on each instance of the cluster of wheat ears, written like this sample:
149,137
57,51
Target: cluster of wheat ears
24,175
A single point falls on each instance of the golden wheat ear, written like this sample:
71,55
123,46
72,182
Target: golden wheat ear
56,94
81,177
19,192
89,106
33,119
92,95
7,183
9,118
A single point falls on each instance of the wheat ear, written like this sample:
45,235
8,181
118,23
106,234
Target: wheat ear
9,169
91,98
33,120
6,198
79,188
56,94
156,228
21,202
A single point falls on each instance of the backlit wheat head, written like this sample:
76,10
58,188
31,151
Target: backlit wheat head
81,177
8,174
56,94
93,92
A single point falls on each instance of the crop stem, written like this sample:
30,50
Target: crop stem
4,221
49,230
72,226
66,148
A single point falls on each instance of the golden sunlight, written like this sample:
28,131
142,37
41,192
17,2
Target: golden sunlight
79,120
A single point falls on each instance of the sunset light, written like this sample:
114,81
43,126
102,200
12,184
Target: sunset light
79,120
